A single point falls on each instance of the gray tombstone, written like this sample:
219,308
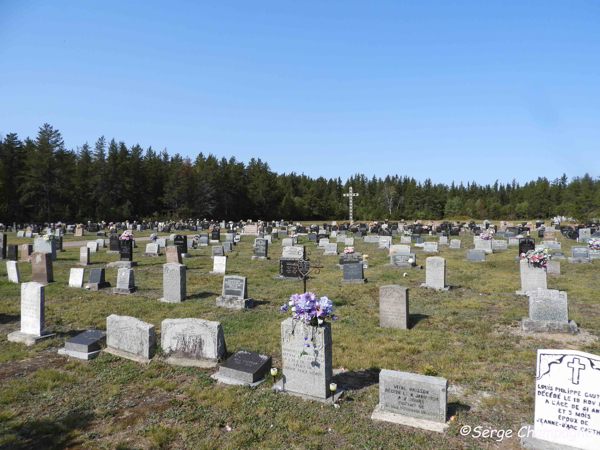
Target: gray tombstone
553,268
76,277
193,342
152,250
393,307
579,254
174,254
435,273
217,250
92,246
430,247
130,338
25,251
532,277
96,280
476,255
174,282
330,249
585,234
32,314
84,256
14,274
125,281
354,273
42,268
261,249
484,244
403,260
548,313
455,243
498,244
235,293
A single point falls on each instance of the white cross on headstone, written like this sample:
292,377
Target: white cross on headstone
350,195
577,367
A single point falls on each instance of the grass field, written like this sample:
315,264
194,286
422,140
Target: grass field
469,335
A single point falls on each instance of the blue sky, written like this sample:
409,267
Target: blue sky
452,91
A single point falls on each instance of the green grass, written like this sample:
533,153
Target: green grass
462,335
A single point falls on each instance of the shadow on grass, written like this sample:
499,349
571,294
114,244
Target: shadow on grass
9,318
455,408
202,295
48,433
355,380
414,319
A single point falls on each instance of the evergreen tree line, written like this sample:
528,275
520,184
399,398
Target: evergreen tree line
41,181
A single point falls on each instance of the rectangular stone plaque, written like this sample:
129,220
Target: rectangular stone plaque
246,366
235,286
354,271
393,307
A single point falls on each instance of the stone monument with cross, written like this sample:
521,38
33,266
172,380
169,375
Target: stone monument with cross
350,195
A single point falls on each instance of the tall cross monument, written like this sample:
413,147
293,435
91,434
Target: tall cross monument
350,194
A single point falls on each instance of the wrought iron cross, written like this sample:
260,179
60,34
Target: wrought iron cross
306,267
350,194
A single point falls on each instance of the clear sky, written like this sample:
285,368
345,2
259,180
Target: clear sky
447,90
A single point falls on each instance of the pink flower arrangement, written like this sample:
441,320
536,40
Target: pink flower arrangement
349,250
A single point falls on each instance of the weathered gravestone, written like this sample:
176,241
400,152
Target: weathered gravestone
455,243
532,277
174,282
180,241
41,268
412,399
193,342
100,243
32,315
307,371
174,254
553,268
393,307
330,249
566,415
498,244
3,243
130,338
84,256
430,247
579,254
244,367
476,255
443,240
235,293
113,244
261,249
12,252
354,273
550,245
400,249
484,244
217,250
96,280
14,274
295,252
227,247
41,245
85,345
219,265
549,235
152,250
405,239
76,277
435,273
125,281
402,260
513,241
548,313
26,251
585,234
350,258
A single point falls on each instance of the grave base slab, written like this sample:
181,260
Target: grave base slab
79,355
124,291
259,258
227,380
228,301
579,260
533,443
153,255
400,419
96,286
445,288
127,355
401,266
363,281
112,251
190,362
278,386
127,264
26,338
536,326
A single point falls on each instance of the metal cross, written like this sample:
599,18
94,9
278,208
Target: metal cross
577,367
350,195
306,267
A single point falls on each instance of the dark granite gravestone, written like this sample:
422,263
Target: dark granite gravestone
246,367
526,244
96,280
3,243
215,234
420,240
261,249
349,258
312,237
288,268
12,253
180,240
354,273
93,228
126,250
85,345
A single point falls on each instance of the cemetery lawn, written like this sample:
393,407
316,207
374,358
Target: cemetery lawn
469,335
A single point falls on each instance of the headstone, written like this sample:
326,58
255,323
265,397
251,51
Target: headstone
96,280
261,249
203,240
219,265
532,277
174,254
126,250
92,246
84,256
553,268
549,235
76,277
288,268
227,247
579,254
403,260
484,244
130,338
412,399
525,245
43,246
100,243
513,242
307,371
244,367
566,402
32,315
476,255
330,249
405,239
12,253
26,251
85,345
234,293
42,268
455,243
174,282
350,258
430,247
217,250
548,313
354,273
193,342
152,250
125,281
585,234
371,240
435,273
14,274
393,307
180,241
498,244
443,240
295,252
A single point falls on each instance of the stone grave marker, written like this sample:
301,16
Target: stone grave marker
84,256
181,241
130,338
549,235
76,277
532,277
219,265
96,280
393,307
455,243
498,244
12,252
371,240
403,260
41,245
548,313
85,345
287,242
235,293
585,234
476,255
261,249
26,251
553,268
244,367
42,268
295,252
430,247
32,314
443,240
484,244
579,254
174,254
217,250
152,250
551,245
174,282
100,243
354,273
435,273
92,246
405,239
513,241
412,399
349,241
14,274
227,247
193,342
566,402
525,245
400,249
330,249
125,281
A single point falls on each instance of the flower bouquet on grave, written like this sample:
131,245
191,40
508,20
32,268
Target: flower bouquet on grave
594,244
79,225
311,311
349,250
153,237
485,236
407,233
126,236
49,237
537,258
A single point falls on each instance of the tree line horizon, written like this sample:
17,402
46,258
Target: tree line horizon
42,181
